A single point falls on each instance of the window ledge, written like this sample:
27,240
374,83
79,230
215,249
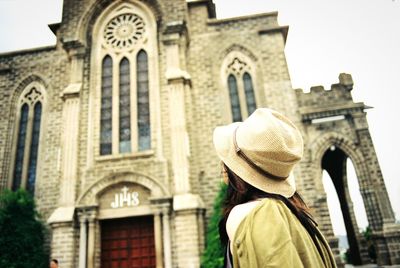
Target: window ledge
144,154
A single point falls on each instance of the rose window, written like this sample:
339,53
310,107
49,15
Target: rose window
124,31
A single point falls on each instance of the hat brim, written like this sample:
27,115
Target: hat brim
224,146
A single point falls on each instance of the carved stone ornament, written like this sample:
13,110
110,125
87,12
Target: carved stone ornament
33,95
237,66
124,31
125,198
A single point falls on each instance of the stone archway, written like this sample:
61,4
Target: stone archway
150,214
334,162
89,197
331,152
332,118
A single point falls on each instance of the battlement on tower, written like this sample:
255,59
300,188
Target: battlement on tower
320,103
339,94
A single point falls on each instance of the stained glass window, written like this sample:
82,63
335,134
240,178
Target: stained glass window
143,102
106,107
34,148
234,98
249,93
19,160
124,107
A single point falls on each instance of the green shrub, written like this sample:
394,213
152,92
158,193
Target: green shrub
213,256
367,233
22,234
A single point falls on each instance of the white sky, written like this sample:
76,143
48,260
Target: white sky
325,38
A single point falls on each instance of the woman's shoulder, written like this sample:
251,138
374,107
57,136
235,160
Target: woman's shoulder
237,215
260,212
258,218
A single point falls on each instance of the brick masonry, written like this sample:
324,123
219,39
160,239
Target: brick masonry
204,43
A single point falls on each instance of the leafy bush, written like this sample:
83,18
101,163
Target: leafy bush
22,234
213,256
367,233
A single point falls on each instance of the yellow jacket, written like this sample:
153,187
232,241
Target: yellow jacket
271,236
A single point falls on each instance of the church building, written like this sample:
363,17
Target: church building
111,130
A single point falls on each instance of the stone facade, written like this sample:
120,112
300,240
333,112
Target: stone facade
190,55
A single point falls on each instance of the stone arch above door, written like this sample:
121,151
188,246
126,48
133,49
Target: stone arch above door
89,196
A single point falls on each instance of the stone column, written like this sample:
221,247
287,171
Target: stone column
385,230
87,233
91,239
161,208
70,133
158,240
64,214
185,203
179,138
166,238
177,82
82,239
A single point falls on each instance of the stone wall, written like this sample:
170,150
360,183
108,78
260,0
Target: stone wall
47,66
190,99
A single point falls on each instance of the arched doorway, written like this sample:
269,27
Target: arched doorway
125,221
335,163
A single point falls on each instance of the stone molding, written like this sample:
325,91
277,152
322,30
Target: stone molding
71,91
89,196
187,202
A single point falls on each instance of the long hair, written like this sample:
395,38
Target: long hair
239,192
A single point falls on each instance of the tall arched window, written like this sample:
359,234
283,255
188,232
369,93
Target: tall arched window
124,107
143,101
249,93
19,159
29,117
126,46
240,86
37,115
106,107
234,98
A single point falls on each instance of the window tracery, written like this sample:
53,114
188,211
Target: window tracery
123,31
29,118
124,49
240,86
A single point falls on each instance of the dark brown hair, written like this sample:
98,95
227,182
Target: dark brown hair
239,192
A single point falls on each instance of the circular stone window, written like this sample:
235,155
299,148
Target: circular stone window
124,31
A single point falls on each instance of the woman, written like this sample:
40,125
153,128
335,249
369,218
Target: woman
266,223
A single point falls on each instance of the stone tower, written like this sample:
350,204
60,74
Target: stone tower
111,129
336,129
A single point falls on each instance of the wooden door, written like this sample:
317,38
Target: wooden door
128,242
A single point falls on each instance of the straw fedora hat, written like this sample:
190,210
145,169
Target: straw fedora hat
262,150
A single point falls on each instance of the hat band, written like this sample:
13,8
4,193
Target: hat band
241,154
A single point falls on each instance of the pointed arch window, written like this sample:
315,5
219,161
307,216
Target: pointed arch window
242,96
143,101
106,107
124,107
37,115
29,117
249,93
126,46
19,160
234,98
